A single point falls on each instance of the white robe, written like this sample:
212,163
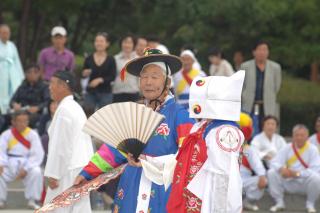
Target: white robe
19,157
220,173
11,73
250,182
69,150
266,147
313,139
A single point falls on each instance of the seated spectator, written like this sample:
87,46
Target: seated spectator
182,80
315,138
57,57
100,67
219,66
21,155
268,142
32,95
295,169
252,171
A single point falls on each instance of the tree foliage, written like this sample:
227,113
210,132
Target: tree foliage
292,27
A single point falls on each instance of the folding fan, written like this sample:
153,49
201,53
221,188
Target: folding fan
126,126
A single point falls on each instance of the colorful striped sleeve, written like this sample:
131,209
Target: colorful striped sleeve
183,125
104,160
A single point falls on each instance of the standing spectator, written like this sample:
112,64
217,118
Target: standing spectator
183,79
32,95
154,43
261,85
142,44
128,89
238,59
21,155
11,72
315,138
57,57
268,143
296,169
101,70
219,66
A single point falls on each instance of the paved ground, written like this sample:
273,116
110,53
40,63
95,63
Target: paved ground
17,204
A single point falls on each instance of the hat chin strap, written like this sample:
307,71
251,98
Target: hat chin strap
157,100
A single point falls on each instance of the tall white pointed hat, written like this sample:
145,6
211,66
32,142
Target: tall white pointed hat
217,97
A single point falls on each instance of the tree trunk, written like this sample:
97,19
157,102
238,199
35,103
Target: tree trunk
23,33
314,74
38,27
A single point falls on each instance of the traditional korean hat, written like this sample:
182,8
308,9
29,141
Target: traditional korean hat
172,63
217,97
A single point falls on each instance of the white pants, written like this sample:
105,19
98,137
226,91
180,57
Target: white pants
309,186
82,206
251,189
33,182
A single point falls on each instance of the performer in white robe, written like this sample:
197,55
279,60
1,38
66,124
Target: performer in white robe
315,138
70,149
21,155
217,100
295,169
11,72
268,142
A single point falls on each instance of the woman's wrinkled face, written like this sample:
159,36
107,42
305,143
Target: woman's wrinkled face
187,62
101,43
152,81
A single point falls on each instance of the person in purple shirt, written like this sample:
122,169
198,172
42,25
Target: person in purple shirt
57,57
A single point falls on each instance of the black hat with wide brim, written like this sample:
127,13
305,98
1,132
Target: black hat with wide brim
135,66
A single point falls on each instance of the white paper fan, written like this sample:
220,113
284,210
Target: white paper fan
126,126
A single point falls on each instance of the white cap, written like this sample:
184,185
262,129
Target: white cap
188,53
58,30
217,97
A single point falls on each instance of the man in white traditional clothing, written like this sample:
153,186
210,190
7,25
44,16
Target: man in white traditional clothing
209,156
295,169
11,72
21,155
69,148
268,142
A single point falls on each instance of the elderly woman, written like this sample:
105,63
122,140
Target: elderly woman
268,142
136,193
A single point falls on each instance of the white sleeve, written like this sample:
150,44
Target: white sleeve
3,149
60,148
255,162
36,153
314,163
280,159
255,144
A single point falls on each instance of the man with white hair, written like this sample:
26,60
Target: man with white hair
183,79
295,169
11,72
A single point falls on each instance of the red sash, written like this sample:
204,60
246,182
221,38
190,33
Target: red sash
191,157
245,162
318,137
186,77
305,165
20,138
